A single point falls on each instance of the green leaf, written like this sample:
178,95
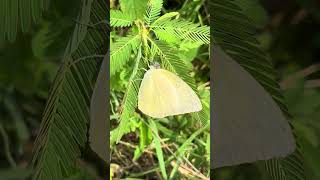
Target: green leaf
254,10
164,36
208,144
129,102
63,129
153,11
158,146
121,51
182,29
125,127
143,140
203,116
167,16
17,14
135,9
172,62
120,19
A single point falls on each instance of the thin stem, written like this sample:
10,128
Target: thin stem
92,25
7,146
85,58
287,82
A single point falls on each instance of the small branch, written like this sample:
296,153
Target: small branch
86,58
185,170
287,82
301,14
134,146
312,83
7,146
105,22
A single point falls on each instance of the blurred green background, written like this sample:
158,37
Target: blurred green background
288,30
28,66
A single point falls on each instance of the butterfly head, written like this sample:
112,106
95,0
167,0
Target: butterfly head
155,65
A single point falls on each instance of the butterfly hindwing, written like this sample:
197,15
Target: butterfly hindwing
163,93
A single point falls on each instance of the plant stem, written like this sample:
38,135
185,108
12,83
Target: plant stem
7,146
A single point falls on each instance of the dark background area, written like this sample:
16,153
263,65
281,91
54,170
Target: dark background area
288,30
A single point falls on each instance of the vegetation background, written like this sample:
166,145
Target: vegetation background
288,30
173,147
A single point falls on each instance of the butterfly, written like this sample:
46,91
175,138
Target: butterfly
163,93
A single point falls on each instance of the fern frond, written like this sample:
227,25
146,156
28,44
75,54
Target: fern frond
121,51
202,116
166,16
234,33
19,14
129,102
284,169
64,123
134,8
153,11
183,30
120,19
162,35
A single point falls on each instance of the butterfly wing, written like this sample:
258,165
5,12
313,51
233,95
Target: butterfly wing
163,93
247,124
99,126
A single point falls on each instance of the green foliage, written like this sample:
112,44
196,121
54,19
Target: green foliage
15,173
157,141
120,19
153,11
148,39
129,103
135,9
17,14
64,125
234,33
183,30
121,50
172,62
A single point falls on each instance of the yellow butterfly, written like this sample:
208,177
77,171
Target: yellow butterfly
162,94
